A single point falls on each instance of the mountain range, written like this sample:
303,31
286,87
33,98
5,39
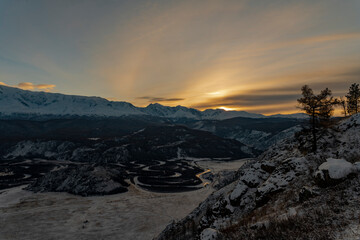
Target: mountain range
18,103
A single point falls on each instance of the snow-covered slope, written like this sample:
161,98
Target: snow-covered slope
156,109
14,102
287,193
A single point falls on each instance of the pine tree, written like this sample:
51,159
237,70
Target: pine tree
318,107
353,99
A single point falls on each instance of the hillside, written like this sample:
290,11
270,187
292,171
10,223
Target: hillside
151,143
259,133
287,193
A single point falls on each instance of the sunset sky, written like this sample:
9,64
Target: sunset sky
242,55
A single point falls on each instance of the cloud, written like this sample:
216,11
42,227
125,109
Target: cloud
249,100
282,97
32,86
160,99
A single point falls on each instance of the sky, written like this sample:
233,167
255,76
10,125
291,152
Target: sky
236,55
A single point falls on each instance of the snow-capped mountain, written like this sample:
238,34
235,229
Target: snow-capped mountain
14,102
156,109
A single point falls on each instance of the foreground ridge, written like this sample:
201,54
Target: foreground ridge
286,193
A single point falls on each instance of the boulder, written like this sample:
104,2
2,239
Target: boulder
334,171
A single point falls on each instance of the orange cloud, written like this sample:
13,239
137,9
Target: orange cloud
31,86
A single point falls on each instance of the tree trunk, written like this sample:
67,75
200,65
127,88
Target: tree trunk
314,142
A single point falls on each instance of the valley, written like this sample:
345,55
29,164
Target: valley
116,216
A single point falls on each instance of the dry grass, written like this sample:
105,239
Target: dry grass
317,225
318,218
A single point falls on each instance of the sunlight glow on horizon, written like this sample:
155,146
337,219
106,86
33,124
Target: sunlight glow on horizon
227,109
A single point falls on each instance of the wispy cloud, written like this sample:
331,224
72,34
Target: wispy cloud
301,41
160,99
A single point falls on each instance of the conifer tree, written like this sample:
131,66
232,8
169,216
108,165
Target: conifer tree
353,99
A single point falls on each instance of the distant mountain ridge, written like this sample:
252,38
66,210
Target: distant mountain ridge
14,102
